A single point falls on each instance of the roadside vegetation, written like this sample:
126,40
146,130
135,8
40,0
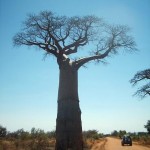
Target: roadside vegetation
142,138
38,139
91,137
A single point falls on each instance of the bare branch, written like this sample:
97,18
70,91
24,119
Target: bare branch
141,75
81,32
138,77
61,35
82,61
112,40
143,91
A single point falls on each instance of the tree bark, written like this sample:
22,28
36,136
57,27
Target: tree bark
68,123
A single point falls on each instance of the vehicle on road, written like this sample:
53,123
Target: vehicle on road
126,139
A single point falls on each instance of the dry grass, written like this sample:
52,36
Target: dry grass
49,144
142,140
91,144
27,145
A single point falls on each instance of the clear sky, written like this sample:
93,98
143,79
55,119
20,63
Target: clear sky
29,84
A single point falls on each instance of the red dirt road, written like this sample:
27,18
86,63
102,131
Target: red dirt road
115,144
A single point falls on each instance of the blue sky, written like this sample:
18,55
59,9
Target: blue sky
29,84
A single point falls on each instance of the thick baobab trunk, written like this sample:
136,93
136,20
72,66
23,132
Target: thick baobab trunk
68,123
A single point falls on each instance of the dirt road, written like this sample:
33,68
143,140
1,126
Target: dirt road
115,144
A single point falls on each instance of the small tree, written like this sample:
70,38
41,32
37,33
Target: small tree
147,126
63,36
93,134
51,134
3,131
115,133
121,133
141,76
20,134
38,133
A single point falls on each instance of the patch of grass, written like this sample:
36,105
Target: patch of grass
35,144
142,139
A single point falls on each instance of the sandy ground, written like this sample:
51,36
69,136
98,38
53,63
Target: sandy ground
115,144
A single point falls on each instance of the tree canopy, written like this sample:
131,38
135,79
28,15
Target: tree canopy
62,36
147,126
3,131
144,90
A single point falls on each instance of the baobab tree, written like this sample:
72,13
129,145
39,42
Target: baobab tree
63,36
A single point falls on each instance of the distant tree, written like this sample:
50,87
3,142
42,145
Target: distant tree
115,133
121,133
38,133
33,133
141,76
91,134
63,36
147,126
20,134
51,134
3,131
